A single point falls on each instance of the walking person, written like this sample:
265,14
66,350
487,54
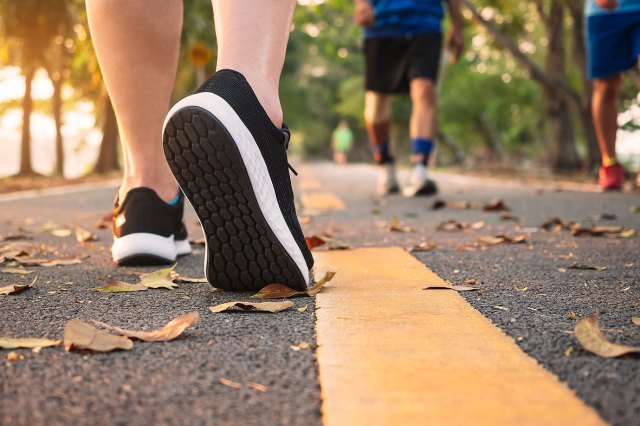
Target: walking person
613,40
341,142
225,145
402,47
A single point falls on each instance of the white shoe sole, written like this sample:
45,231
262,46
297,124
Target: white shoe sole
147,248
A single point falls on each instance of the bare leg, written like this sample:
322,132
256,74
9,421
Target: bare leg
137,44
377,118
424,110
604,107
252,39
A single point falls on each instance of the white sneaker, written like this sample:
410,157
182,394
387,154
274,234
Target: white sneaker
419,183
387,181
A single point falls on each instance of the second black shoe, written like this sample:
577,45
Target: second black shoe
231,163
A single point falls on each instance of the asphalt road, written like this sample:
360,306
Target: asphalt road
523,292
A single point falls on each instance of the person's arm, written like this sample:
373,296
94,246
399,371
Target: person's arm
364,13
455,38
609,5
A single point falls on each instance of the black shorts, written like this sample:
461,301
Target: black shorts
391,63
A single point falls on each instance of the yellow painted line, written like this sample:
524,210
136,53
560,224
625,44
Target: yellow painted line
321,201
391,353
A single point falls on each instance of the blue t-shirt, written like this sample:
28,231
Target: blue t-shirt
624,6
399,18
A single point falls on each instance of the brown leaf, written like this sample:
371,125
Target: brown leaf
635,320
587,267
230,383
257,386
26,342
438,204
253,306
452,287
476,225
64,261
300,346
314,241
80,336
495,205
502,239
18,249
83,235
279,291
162,278
424,246
16,288
115,286
450,225
593,340
191,280
606,231
170,331
556,224
396,226
20,270
61,232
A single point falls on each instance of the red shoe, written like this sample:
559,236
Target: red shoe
611,177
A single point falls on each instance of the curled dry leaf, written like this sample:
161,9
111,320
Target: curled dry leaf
603,231
253,306
301,345
115,286
16,288
501,239
64,261
587,267
635,320
314,241
83,235
18,249
257,386
279,291
170,331
452,287
593,340
450,226
20,270
162,278
495,205
396,226
438,204
230,383
556,224
80,336
302,309
424,246
191,280
26,342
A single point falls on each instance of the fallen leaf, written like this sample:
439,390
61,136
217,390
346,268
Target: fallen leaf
568,351
16,288
327,241
438,204
572,315
301,345
13,356
20,270
65,261
502,239
634,209
593,340
162,278
170,331
26,342
501,308
603,231
80,336
230,383
314,241
279,291
587,267
471,282
495,205
424,246
253,306
303,309
450,226
115,286
452,287
191,280
627,233
635,320
257,386
396,226
18,249
82,235
61,232
557,224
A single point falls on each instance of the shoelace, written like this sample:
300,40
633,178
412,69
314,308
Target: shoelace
287,137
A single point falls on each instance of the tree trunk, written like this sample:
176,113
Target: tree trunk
563,154
27,107
57,118
108,156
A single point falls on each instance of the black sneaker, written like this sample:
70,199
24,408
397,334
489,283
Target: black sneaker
148,231
231,163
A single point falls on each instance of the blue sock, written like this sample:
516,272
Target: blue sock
422,146
381,153
176,199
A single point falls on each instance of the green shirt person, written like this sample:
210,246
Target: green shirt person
341,142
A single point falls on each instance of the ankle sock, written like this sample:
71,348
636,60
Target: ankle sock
381,154
422,147
176,199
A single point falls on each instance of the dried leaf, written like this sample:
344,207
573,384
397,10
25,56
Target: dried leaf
593,340
606,231
65,261
83,235
253,306
450,225
230,383
18,249
162,278
587,267
16,288
80,336
495,205
303,309
170,331
502,239
61,232
452,287
438,204
396,226
279,291
556,224
314,241
627,233
635,320
191,280
26,342
13,356
20,270
424,246
115,286
301,345
257,386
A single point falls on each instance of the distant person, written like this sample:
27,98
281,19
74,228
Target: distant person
341,142
402,47
613,39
